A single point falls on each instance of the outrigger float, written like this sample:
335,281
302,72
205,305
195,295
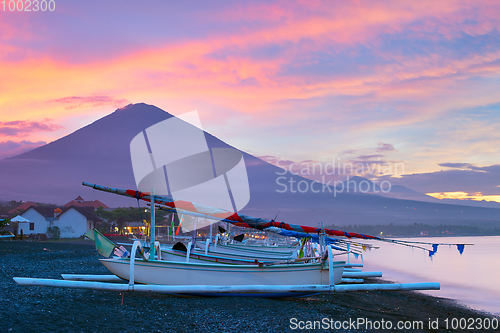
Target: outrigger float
156,271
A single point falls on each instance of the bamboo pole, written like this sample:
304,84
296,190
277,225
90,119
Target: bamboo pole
88,277
348,280
201,289
361,275
153,227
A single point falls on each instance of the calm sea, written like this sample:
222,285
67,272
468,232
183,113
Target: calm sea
473,278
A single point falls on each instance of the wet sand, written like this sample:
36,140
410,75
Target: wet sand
45,309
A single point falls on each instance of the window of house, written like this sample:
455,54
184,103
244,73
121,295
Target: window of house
32,226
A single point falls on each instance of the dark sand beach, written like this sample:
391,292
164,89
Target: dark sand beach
44,309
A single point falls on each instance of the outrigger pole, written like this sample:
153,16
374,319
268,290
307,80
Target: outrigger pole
237,219
195,289
86,282
246,221
204,289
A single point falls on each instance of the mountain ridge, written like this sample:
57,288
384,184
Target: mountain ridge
99,153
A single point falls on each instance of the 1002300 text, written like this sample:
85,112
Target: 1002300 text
28,5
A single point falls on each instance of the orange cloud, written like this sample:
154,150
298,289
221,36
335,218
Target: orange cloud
465,196
326,26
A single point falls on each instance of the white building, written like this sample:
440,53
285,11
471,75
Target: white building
72,222
75,221
37,217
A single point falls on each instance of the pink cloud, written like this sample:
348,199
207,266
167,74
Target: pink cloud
11,148
182,66
23,128
384,147
350,22
91,101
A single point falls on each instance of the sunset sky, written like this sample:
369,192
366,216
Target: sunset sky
377,82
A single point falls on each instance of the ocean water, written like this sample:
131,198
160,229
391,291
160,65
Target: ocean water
471,278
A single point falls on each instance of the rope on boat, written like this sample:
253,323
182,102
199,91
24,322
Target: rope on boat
257,223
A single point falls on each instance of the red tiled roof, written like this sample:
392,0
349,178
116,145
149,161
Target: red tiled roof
94,204
23,207
85,211
44,211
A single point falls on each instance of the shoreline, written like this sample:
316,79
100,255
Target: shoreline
46,309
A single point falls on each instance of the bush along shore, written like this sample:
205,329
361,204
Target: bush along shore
45,309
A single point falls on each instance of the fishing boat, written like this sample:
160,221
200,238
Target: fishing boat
199,256
181,269
260,250
153,274
209,251
213,252
263,247
159,272
174,255
350,275
248,255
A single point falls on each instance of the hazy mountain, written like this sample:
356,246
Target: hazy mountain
100,153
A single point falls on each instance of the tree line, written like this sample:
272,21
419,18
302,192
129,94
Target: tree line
119,217
7,207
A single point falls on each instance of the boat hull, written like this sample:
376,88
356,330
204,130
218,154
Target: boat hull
244,254
159,272
173,255
246,250
289,250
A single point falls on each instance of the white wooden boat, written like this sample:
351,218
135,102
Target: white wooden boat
267,248
220,254
247,255
225,254
169,254
280,280
199,257
262,250
159,272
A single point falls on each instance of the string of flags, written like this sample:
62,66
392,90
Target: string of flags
186,207
431,252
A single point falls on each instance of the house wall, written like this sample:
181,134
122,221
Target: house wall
33,216
73,224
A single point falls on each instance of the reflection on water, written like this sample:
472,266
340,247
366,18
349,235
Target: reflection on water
472,278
